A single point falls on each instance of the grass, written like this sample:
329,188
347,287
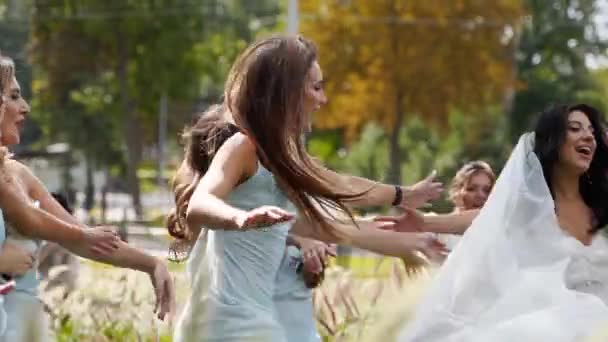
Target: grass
370,301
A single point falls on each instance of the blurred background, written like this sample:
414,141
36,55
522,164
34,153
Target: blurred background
413,86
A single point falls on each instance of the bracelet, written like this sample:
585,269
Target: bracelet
398,195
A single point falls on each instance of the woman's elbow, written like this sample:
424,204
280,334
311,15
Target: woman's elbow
194,217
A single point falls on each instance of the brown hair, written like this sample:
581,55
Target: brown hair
201,142
464,175
264,93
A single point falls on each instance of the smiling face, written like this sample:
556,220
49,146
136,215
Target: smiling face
476,191
16,111
578,148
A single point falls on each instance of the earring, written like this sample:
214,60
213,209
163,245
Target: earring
588,178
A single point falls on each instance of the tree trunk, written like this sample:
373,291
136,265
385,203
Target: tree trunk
509,99
395,155
131,127
89,191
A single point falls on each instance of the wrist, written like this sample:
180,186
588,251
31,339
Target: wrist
420,242
238,220
76,235
399,195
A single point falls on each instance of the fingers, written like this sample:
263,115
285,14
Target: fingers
267,216
171,298
332,250
386,226
312,261
7,287
393,219
323,256
431,176
108,229
408,211
103,249
165,294
281,213
158,293
387,222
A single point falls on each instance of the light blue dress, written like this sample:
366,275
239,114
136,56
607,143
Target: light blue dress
293,300
27,321
233,273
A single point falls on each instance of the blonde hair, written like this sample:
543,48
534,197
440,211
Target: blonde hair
7,74
463,177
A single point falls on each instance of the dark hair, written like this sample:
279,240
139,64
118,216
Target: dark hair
550,134
63,200
201,142
264,92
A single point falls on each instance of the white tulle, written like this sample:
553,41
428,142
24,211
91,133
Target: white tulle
515,275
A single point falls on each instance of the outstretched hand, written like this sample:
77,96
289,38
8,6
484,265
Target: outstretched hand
263,217
410,220
420,194
164,291
101,241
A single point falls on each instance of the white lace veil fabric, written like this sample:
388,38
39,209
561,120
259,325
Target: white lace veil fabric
505,281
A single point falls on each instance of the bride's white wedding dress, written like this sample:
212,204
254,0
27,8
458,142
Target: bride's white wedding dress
516,275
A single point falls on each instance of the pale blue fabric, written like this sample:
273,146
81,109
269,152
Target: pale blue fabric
293,300
26,316
233,274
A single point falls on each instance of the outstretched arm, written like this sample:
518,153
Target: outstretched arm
233,164
368,236
415,221
456,223
38,224
123,256
379,194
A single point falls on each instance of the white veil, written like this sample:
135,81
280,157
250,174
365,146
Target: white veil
505,281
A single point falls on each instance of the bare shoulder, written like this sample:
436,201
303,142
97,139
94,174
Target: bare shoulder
18,169
239,149
241,143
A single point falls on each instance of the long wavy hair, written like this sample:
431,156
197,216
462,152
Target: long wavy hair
265,95
201,142
550,134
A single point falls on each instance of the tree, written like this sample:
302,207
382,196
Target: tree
556,38
14,30
387,60
132,53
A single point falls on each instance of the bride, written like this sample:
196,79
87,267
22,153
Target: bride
533,266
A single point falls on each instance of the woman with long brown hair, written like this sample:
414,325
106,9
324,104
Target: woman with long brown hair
252,182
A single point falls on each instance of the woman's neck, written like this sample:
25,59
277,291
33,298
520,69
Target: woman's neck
565,185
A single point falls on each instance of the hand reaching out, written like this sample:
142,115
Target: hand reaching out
410,221
263,217
420,194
